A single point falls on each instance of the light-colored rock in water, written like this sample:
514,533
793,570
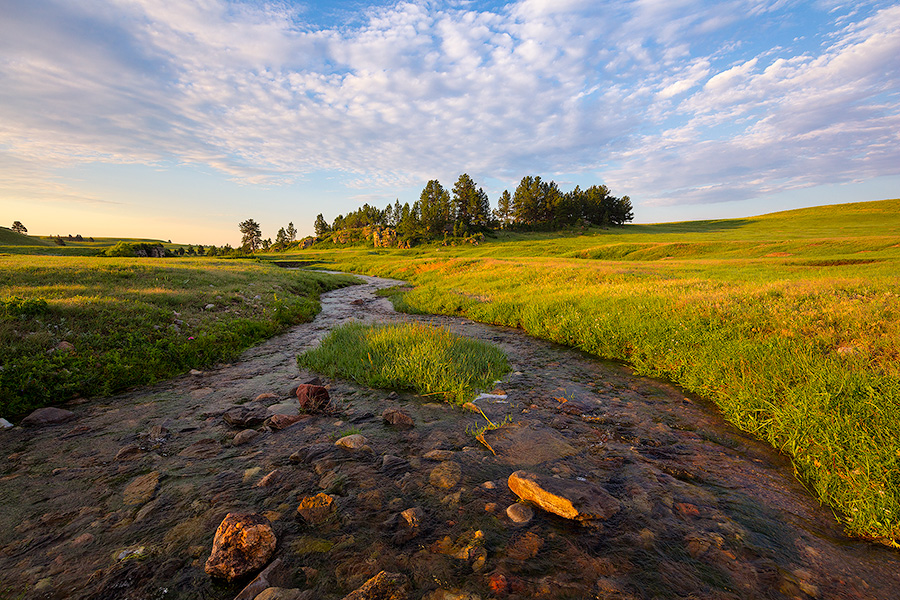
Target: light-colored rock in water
520,514
244,542
384,586
446,475
244,437
352,442
439,455
49,415
141,489
577,500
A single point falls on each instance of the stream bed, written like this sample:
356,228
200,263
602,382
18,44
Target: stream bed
123,501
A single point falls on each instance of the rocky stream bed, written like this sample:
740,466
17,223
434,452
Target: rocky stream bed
656,496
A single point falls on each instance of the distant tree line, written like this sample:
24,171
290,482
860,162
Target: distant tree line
536,205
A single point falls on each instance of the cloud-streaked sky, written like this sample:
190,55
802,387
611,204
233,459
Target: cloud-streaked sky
177,119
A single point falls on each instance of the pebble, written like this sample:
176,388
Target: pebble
519,513
352,442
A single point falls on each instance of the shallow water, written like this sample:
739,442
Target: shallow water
705,511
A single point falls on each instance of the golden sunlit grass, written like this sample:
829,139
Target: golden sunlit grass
789,322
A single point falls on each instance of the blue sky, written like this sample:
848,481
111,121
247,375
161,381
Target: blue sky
177,120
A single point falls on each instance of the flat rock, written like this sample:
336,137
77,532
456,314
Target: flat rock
577,500
523,446
280,421
244,437
439,455
271,576
243,417
284,408
397,418
205,448
244,542
384,586
141,489
49,415
446,475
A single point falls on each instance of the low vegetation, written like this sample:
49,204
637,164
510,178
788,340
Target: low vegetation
75,326
790,322
428,360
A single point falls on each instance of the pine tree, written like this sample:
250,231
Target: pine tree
321,226
434,208
19,228
291,232
504,209
252,235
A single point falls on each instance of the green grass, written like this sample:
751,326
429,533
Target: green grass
790,322
8,237
134,321
428,360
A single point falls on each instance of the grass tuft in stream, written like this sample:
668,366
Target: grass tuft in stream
428,360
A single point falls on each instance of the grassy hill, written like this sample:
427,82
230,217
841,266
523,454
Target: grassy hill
787,321
8,237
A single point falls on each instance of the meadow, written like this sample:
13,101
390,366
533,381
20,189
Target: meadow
789,322
73,326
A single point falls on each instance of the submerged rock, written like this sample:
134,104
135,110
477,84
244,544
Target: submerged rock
317,509
354,441
312,397
446,475
384,586
141,489
577,500
49,415
244,542
245,418
397,418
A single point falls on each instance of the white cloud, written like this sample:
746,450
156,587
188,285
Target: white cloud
418,89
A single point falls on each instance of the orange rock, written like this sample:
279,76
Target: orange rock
317,509
244,543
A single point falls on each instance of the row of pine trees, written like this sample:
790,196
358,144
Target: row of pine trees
465,209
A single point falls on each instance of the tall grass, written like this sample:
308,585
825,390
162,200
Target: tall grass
134,321
797,341
429,360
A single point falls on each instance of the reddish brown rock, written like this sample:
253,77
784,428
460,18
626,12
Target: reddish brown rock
384,586
49,415
279,422
578,500
397,418
317,509
244,542
312,397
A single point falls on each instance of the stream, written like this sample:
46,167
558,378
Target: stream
123,501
